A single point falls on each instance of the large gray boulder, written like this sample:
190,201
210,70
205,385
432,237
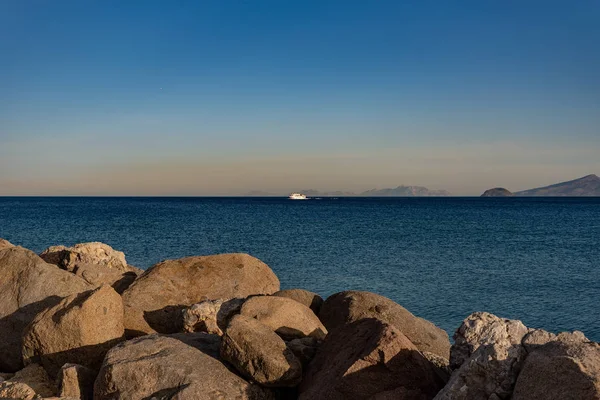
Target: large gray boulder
182,366
28,285
369,359
80,329
154,302
97,263
260,354
309,299
565,368
210,316
288,318
488,354
482,328
346,307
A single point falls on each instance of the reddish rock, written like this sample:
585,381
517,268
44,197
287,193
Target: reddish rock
369,359
350,306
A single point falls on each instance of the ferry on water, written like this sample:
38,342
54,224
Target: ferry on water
297,196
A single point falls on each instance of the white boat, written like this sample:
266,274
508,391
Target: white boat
297,196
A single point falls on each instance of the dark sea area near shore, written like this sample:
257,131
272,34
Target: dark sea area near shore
534,259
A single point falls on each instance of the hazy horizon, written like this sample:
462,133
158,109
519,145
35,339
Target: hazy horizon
224,98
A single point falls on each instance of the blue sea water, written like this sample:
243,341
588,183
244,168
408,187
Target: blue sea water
535,259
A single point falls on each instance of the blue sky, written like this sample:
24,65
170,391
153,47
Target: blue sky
222,97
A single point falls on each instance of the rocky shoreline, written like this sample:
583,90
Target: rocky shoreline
80,323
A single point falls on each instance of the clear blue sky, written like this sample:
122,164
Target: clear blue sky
222,97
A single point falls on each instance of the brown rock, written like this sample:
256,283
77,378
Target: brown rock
17,391
76,381
288,318
29,383
560,370
183,366
4,244
28,285
97,263
538,337
489,354
154,302
346,307
309,299
369,359
259,354
80,329
210,316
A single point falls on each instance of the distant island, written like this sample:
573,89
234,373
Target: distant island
497,192
400,191
589,186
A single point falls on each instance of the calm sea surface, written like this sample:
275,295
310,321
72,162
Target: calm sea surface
537,260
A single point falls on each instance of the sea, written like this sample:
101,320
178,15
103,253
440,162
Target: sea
533,259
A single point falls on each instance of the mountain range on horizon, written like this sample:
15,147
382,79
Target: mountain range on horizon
400,191
588,185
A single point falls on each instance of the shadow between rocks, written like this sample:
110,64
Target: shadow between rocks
11,332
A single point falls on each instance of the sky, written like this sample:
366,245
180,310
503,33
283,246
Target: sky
225,97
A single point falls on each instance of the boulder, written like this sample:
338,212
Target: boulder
76,381
260,354
80,329
489,354
210,316
97,263
482,328
567,368
538,337
288,318
30,383
304,349
369,359
182,366
154,302
95,253
4,244
28,286
346,307
309,299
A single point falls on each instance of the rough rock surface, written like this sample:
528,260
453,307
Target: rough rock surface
76,381
80,329
260,354
482,328
369,359
28,285
154,302
489,355
85,253
97,263
346,307
182,366
4,244
288,318
309,299
539,337
210,316
567,368
29,383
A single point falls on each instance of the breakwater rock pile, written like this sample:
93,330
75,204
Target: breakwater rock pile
80,323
